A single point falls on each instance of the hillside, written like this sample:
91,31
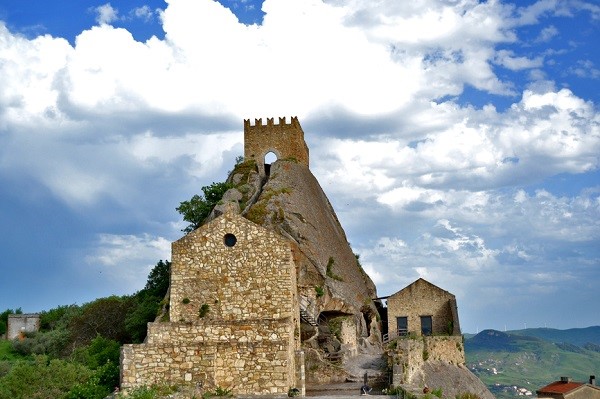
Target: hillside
504,360
575,336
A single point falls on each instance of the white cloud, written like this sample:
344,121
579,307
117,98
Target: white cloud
127,259
105,14
546,34
144,12
507,59
433,188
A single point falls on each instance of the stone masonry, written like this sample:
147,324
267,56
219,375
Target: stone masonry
22,323
233,312
285,140
408,355
422,298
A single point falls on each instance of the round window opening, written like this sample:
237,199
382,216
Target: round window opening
230,240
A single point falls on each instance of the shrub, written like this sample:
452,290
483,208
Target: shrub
204,309
319,290
42,379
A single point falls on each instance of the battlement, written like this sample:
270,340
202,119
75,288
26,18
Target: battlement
285,140
271,122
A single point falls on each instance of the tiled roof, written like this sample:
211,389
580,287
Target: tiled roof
560,387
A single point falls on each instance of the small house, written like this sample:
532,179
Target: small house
422,309
568,389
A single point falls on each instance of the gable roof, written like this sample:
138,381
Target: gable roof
420,282
561,387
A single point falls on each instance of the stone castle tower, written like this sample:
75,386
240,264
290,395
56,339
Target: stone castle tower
285,140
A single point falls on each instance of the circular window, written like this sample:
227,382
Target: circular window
229,240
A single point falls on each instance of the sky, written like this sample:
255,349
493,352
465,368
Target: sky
457,140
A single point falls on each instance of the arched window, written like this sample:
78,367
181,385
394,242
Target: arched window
270,157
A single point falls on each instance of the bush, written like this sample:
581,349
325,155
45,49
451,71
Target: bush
51,343
42,379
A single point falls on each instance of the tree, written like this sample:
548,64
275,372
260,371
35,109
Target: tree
197,209
148,301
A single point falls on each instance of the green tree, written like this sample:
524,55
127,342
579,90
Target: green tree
105,317
197,209
148,301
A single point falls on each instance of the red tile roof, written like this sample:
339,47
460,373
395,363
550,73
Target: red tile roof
560,387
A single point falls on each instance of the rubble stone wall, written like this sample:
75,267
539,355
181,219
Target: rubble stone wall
408,355
422,298
234,314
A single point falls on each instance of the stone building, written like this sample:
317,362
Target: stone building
233,311
425,345
422,309
22,323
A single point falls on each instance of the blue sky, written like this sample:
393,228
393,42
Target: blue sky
458,141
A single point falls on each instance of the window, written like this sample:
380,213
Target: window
402,325
229,240
426,325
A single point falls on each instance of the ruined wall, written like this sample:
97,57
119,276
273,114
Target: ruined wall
422,298
249,357
22,322
234,312
408,355
286,140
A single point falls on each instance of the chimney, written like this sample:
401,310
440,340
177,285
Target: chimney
565,379
592,380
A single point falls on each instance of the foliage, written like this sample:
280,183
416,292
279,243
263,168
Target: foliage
197,209
437,392
158,279
329,272
58,318
219,391
42,378
52,343
104,316
319,290
99,352
148,302
4,318
204,309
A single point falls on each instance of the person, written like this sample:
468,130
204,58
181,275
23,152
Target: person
365,389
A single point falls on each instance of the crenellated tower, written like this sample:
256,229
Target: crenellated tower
285,140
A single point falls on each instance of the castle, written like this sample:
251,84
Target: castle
256,291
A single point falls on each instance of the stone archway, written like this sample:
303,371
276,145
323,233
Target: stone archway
269,158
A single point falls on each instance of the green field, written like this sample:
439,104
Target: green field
501,360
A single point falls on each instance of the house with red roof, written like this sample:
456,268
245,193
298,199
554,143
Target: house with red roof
568,389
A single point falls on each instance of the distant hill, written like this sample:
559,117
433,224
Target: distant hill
504,360
575,336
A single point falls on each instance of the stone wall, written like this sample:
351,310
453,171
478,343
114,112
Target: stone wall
422,298
408,355
285,140
234,312
18,323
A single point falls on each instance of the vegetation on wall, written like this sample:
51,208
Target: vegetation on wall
329,270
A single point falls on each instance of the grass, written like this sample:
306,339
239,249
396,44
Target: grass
7,353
